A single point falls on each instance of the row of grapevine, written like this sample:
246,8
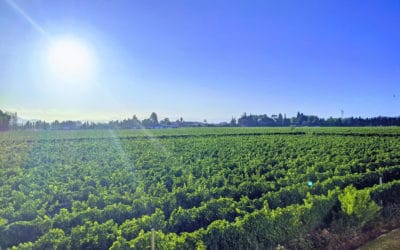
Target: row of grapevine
206,187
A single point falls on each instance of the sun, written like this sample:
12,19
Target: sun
70,60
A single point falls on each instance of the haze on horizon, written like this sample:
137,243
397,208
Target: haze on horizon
103,60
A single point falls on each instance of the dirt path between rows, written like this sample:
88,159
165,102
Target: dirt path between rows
387,241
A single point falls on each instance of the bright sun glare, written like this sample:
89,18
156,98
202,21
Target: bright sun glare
70,60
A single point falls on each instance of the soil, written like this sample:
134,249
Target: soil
388,241
361,239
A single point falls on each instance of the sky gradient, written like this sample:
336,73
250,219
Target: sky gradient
204,59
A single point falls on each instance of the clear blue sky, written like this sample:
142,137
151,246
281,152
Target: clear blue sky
205,59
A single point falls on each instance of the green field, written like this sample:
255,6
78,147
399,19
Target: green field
215,188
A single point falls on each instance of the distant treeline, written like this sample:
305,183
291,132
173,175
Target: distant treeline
311,120
10,121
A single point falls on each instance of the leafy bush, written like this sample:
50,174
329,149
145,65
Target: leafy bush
357,206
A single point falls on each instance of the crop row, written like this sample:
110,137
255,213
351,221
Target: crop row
183,186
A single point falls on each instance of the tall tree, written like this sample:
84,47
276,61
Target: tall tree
153,118
4,120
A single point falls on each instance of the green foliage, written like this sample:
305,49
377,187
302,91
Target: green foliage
93,235
3,221
120,244
358,206
54,239
387,193
215,188
162,241
23,231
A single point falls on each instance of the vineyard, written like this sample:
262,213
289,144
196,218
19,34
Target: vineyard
198,188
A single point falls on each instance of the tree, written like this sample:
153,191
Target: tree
153,118
13,120
152,121
165,121
233,122
4,120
